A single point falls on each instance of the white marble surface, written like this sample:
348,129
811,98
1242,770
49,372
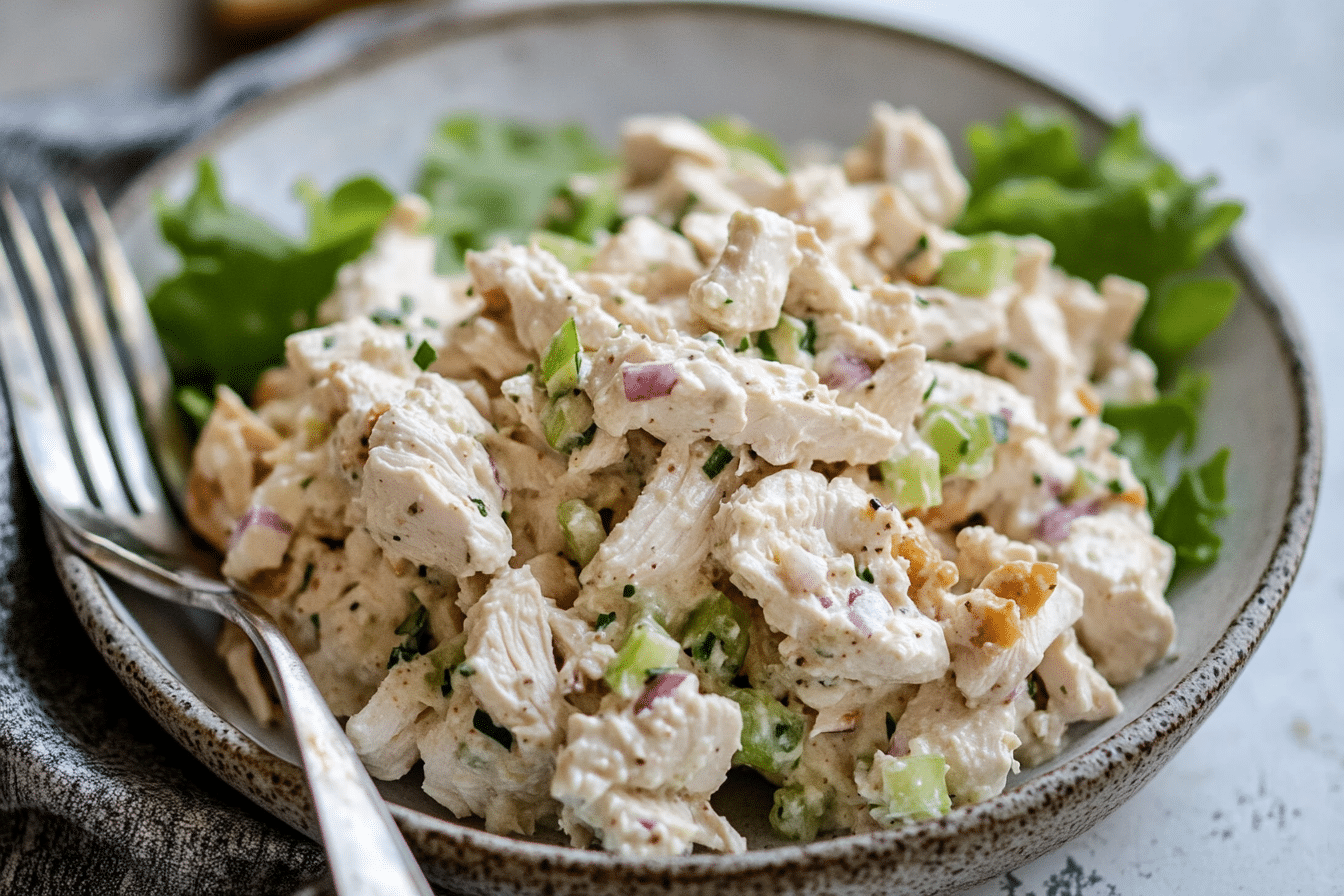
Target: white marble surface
1252,90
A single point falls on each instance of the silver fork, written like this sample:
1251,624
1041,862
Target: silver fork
80,436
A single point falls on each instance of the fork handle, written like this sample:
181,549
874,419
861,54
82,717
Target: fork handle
366,850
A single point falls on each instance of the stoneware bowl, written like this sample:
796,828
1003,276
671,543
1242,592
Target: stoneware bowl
800,76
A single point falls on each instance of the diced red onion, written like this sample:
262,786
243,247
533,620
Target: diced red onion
899,746
801,577
826,602
846,372
259,516
645,381
661,686
1054,524
860,624
648,824
499,481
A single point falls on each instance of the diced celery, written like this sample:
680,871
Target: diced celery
788,341
573,254
985,263
914,478
444,659
560,364
963,439
772,734
736,133
567,421
196,403
915,787
582,529
716,636
647,648
798,811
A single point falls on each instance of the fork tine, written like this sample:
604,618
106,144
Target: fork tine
89,439
112,390
32,403
149,369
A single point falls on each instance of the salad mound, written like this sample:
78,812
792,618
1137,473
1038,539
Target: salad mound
714,462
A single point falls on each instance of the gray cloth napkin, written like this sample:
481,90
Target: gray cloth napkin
94,797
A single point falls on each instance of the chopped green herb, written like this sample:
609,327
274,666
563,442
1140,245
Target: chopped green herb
482,722
717,460
385,318
415,633
919,248
425,355
604,620
1017,359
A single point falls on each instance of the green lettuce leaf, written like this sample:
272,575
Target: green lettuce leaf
1186,519
489,179
244,286
1152,434
1124,211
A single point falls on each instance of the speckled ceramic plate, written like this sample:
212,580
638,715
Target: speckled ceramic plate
801,76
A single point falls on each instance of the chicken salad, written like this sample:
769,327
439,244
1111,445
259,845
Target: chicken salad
781,472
